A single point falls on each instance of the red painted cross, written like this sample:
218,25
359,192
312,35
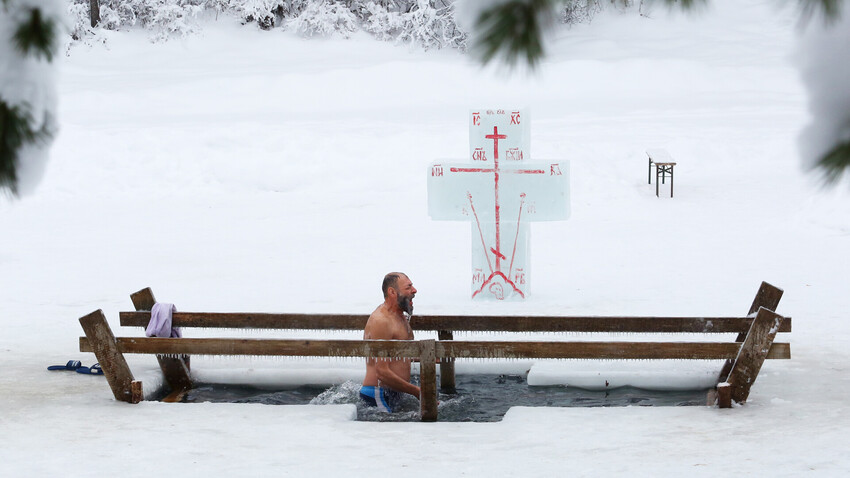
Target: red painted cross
497,252
496,137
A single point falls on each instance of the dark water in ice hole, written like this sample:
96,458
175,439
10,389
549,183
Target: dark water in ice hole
479,398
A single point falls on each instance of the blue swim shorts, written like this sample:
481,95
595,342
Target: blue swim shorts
385,399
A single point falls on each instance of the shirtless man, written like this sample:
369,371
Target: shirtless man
386,380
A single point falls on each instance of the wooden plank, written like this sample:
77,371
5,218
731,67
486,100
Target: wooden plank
444,349
143,300
447,366
427,381
175,369
176,373
102,342
752,353
175,396
283,347
595,350
253,320
257,320
767,296
350,348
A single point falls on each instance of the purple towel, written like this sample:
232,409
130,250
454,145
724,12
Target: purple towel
160,324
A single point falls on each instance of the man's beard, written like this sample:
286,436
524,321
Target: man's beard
405,303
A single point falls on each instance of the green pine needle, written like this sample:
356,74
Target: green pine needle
36,36
514,29
834,163
15,132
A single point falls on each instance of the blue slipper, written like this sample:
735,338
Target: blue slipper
71,365
93,370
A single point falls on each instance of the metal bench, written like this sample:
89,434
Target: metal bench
664,165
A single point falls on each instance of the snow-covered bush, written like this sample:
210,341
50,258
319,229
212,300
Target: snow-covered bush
579,11
266,13
426,23
325,18
430,24
162,17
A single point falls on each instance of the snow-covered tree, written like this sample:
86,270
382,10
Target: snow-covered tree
29,31
512,30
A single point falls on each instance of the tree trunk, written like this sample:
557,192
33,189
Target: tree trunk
95,12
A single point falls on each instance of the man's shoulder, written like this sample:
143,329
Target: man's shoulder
380,324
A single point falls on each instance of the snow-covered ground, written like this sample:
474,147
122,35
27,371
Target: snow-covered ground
246,170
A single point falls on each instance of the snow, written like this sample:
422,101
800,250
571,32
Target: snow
238,170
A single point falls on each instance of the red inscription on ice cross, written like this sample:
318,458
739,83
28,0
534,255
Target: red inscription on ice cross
479,155
476,119
478,276
555,170
437,170
514,154
515,117
519,277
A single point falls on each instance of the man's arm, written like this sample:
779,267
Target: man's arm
387,377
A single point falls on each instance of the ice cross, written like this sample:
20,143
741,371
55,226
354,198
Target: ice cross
500,195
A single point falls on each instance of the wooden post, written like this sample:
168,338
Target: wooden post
143,299
111,360
752,354
175,369
428,380
724,395
136,391
447,366
767,296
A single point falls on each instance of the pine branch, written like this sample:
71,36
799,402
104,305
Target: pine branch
514,29
15,132
834,163
830,10
36,36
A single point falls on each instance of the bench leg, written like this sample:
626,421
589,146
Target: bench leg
671,181
657,172
649,172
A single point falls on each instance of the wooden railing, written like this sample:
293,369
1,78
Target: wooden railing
754,344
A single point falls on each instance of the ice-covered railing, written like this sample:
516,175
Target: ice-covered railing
754,344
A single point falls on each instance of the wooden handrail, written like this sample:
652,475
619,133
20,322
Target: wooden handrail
444,349
471,323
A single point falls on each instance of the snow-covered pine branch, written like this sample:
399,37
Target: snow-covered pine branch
29,33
